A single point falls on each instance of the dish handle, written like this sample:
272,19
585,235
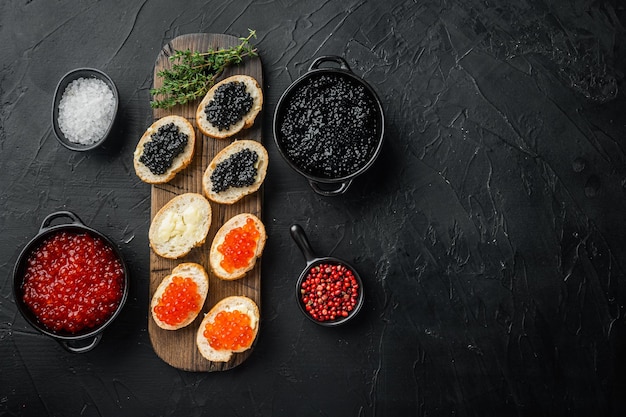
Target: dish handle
332,58
45,225
333,192
81,349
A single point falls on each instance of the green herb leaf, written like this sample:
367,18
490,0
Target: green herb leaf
192,74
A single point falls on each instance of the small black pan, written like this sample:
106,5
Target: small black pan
313,261
327,186
84,340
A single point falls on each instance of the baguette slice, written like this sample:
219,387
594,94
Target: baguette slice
180,225
240,303
233,193
255,91
184,270
216,257
180,162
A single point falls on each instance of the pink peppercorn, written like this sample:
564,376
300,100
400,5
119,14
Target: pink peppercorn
329,292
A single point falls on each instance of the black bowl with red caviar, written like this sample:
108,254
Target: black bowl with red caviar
329,126
329,291
70,282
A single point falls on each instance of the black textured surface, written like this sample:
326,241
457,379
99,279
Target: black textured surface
489,233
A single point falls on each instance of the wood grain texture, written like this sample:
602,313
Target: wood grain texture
178,348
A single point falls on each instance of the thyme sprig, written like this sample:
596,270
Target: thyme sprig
192,74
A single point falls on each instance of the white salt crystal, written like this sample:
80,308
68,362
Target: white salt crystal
86,110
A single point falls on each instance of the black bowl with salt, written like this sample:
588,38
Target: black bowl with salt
84,109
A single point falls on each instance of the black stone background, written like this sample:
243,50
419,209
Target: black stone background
489,232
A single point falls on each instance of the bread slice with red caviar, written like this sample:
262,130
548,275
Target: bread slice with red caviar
220,349
233,173
227,107
222,256
180,225
175,303
151,167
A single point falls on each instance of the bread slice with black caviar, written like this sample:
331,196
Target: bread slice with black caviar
235,172
230,107
153,153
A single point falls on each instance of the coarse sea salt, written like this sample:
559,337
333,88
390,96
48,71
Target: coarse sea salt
86,110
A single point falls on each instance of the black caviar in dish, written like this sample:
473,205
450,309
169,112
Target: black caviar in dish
329,126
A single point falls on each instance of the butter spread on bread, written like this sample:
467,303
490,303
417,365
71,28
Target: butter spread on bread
180,225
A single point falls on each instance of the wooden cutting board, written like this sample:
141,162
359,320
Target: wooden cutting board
178,348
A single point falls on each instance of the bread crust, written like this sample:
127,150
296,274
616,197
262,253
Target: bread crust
236,302
180,162
177,246
233,194
215,257
252,87
185,270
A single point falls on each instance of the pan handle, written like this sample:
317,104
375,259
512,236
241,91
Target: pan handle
298,235
45,225
332,58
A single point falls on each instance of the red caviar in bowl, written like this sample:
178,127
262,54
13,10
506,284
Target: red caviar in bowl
239,246
179,299
231,330
73,281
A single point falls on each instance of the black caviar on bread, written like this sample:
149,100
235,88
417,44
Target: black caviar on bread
236,171
166,148
229,106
